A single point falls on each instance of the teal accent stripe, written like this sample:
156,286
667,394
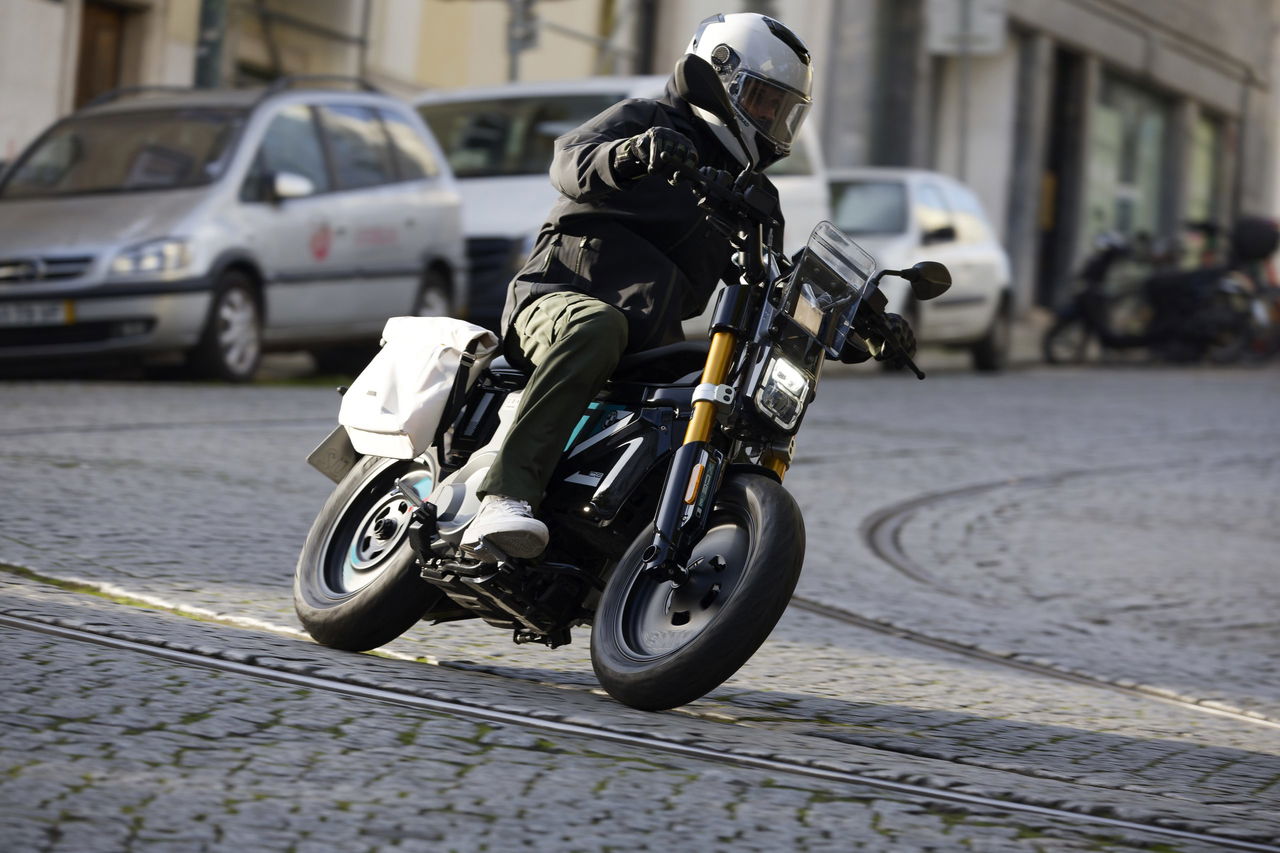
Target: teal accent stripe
581,425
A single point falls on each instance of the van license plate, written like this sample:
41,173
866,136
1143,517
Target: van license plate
49,313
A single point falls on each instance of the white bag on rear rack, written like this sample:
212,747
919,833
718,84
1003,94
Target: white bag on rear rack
394,407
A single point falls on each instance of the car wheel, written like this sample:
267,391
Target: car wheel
991,353
433,298
230,347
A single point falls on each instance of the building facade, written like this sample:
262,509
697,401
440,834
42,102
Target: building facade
1068,117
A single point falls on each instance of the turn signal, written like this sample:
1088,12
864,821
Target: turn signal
695,483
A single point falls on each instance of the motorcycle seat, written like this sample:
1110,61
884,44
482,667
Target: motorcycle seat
664,364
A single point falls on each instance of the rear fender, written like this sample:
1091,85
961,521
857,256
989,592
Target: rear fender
334,456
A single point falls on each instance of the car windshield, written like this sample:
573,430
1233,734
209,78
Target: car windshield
509,136
516,136
125,152
869,207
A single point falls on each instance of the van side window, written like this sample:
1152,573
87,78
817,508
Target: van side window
934,216
359,146
289,145
413,158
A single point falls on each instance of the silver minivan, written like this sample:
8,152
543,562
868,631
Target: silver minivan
215,224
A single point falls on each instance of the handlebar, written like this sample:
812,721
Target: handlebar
722,192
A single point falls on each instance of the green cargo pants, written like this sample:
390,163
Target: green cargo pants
573,343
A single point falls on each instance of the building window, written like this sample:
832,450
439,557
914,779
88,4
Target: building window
1126,158
1202,182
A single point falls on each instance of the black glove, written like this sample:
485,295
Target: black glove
893,339
658,149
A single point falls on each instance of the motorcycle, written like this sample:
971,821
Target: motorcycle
1217,312
671,533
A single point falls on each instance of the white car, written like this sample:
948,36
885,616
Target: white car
499,143
902,216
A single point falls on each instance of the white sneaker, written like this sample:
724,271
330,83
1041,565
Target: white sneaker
509,524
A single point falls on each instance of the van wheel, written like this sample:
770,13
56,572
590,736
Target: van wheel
433,299
230,347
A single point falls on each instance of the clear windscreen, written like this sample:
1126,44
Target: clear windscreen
827,286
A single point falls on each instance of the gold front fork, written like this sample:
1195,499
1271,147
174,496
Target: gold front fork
775,463
715,371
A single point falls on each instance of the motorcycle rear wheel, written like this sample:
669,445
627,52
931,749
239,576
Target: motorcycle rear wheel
357,585
656,646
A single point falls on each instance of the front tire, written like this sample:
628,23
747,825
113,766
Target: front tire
1066,341
357,584
656,646
230,346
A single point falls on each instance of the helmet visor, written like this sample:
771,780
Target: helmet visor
774,110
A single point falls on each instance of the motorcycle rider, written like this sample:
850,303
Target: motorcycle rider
624,255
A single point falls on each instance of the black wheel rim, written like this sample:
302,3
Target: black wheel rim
659,617
373,529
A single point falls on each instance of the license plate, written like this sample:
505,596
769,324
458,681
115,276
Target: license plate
50,313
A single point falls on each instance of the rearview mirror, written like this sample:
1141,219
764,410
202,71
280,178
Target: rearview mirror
287,185
698,83
928,279
945,234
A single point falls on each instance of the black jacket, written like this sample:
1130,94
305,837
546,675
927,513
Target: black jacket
643,245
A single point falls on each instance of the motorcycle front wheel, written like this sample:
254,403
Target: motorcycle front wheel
357,585
657,645
1066,341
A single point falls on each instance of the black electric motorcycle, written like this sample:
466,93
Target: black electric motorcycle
671,533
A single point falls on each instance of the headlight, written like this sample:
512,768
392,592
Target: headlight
157,257
783,392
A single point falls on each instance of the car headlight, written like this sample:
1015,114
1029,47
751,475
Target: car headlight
782,393
157,257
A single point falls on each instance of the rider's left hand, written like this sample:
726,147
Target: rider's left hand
894,340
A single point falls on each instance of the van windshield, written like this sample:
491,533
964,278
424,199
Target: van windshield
153,149
869,207
509,136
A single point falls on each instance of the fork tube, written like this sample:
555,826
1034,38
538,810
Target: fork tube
715,371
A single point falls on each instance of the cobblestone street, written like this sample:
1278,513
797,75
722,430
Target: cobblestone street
1118,524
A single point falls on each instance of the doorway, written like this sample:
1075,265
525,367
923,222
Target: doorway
1062,180
101,54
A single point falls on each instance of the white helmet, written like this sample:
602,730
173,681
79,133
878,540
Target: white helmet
766,71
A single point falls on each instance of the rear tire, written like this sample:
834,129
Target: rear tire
655,646
433,298
357,585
